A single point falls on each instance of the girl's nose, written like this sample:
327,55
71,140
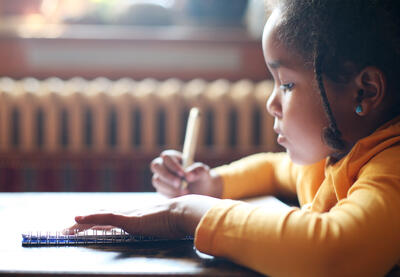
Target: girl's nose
273,104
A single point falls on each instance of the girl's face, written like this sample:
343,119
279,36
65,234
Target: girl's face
295,101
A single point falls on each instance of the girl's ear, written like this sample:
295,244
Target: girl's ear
371,83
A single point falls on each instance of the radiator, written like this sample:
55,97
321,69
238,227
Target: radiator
43,119
127,115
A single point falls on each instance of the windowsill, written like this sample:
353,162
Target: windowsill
183,33
89,51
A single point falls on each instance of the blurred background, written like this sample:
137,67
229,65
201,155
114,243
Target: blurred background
92,90
132,38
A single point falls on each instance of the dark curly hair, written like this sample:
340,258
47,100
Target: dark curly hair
338,38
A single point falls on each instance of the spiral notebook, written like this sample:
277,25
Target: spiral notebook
88,237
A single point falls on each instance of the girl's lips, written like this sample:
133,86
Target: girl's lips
281,139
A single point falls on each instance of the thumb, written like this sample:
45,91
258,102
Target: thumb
196,172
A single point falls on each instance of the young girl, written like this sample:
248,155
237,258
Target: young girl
336,107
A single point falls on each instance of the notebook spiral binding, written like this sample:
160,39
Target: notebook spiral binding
88,237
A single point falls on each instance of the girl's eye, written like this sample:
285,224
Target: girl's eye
287,87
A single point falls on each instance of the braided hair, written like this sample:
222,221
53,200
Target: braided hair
338,38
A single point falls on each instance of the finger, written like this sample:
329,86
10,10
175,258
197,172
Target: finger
76,228
196,171
175,193
164,188
158,182
112,219
166,175
155,164
173,164
103,228
166,192
172,153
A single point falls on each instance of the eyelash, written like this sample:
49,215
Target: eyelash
286,87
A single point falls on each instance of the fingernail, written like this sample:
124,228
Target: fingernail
68,232
78,218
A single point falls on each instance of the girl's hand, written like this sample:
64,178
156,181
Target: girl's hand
175,218
169,174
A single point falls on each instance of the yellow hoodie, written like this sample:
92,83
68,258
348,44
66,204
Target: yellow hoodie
348,223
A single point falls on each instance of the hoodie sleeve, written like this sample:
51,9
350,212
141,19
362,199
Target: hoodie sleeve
259,174
359,236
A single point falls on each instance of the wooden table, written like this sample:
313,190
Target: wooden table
21,212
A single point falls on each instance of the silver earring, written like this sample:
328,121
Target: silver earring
359,109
